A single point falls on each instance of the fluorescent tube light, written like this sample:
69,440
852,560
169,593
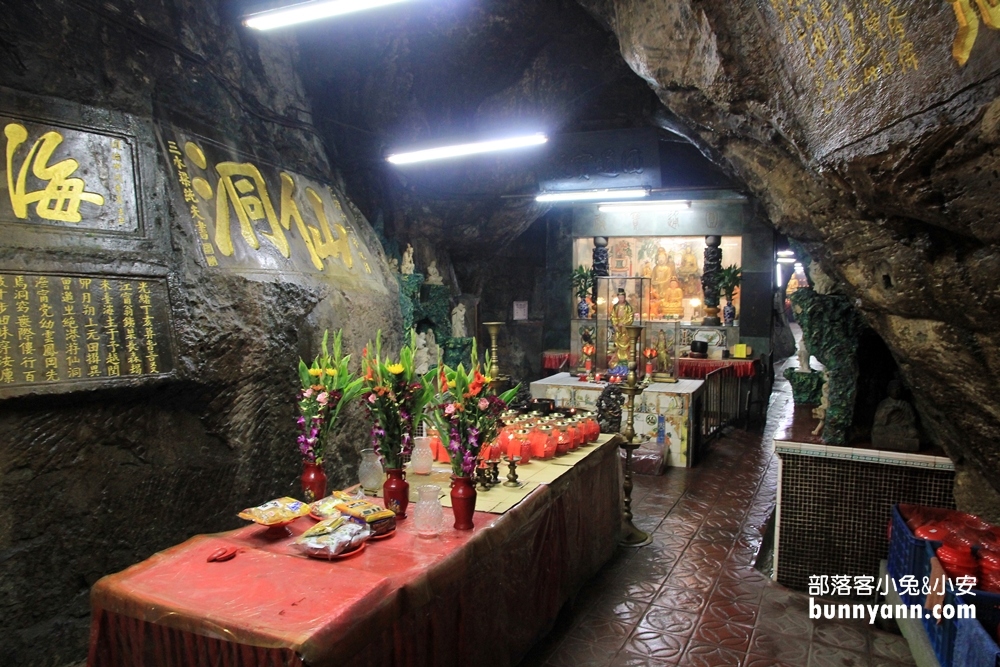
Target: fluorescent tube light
310,11
460,150
786,253
786,260
643,206
590,195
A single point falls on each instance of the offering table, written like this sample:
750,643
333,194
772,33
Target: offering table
479,597
664,412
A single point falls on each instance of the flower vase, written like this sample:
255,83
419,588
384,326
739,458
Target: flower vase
729,313
463,501
583,309
313,481
396,492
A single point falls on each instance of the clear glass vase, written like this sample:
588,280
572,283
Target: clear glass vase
428,515
370,472
422,457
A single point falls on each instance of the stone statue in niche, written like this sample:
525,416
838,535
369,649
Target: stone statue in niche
458,329
895,426
821,282
803,357
421,357
394,264
406,266
433,351
433,275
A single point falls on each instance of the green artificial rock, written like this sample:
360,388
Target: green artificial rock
807,388
409,298
831,327
456,351
436,307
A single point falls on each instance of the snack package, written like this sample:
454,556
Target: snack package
280,510
378,519
325,526
326,508
347,536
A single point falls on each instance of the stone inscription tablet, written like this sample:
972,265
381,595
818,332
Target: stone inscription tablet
247,216
65,178
58,329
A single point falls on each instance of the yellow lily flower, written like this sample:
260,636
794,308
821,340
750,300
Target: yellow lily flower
315,372
332,372
395,369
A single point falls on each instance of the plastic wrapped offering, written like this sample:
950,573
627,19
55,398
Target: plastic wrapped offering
380,520
276,512
325,508
345,537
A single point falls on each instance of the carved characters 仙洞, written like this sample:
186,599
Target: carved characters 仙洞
249,216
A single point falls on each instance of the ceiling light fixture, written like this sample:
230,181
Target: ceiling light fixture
590,195
786,260
459,150
644,206
310,11
786,253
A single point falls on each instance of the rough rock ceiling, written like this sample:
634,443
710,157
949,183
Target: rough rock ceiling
457,69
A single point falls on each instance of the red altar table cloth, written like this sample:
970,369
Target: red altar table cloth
697,369
405,600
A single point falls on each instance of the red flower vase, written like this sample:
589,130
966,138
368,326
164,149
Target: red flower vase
463,501
396,492
313,482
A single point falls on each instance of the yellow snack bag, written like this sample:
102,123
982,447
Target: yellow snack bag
325,526
280,510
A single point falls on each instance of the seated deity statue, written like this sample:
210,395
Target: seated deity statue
673,302
895,426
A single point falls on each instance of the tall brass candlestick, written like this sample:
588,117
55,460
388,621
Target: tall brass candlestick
499,381
631,536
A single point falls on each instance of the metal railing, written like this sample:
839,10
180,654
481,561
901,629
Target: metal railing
721,402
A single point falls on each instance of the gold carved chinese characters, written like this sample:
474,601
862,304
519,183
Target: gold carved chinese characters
68,178
848,46
260,218
57,329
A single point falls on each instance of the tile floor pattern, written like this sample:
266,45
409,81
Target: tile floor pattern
692,597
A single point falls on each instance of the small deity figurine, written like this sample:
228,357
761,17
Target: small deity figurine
609,409
433,275
458,321
664,363
622,316
421,358
406,266
394,264
687,274
819,412
673,299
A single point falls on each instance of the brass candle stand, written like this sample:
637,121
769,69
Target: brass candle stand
500,381
631,536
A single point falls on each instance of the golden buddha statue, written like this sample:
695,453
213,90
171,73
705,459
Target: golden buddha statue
662,274
621,316
672,302
687,274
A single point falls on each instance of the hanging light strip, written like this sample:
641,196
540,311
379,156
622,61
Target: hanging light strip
460,150
787,260
310,11
590,195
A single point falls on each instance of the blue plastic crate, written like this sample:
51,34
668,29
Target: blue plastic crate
907,554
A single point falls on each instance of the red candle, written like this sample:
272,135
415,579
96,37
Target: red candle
587,365
649,368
